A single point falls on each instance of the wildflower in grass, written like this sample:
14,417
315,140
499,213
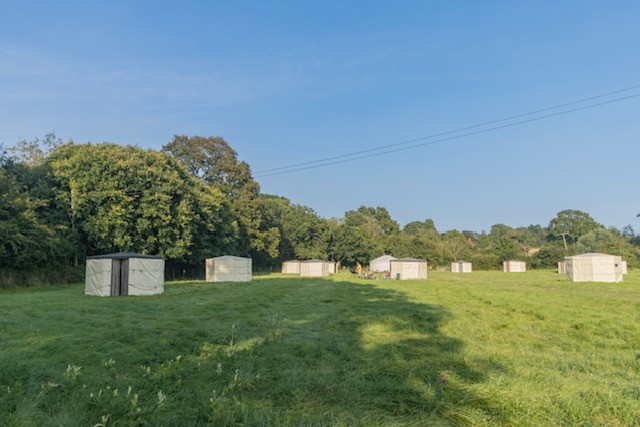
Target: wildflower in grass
134,401
72,372
105,419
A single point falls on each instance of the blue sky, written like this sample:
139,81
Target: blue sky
286,82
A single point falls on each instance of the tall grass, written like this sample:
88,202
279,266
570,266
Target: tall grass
485,348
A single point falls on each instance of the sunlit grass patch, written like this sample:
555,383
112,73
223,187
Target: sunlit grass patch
486,348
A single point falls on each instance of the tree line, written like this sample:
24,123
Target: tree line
61,202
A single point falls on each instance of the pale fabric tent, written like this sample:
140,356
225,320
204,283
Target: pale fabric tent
408,269
562,269
228,269
314,268
124,274
461,267
623,265
291,267
332,267
594,267
512,266
382,263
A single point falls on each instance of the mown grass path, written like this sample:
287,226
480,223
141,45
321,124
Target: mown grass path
485,348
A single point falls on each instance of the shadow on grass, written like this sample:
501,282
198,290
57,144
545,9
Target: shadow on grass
276,351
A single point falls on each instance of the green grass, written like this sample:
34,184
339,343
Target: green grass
515,349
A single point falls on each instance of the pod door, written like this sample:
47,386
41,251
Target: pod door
120,277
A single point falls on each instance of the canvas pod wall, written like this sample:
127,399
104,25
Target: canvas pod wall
228,269
124,274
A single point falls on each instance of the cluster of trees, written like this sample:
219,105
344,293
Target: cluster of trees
61,202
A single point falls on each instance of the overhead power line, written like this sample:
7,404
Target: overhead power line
449,138
358,155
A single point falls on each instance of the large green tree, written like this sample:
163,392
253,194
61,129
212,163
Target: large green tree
212,160
363,233
352,243
129,199
572,224
499,231
425,246
508,249
27,239
33,232
303,234
34,152
455,246
415,228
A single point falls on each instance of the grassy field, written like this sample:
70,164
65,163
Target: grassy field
486,348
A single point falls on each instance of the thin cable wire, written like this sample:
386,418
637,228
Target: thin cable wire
452,137
355,153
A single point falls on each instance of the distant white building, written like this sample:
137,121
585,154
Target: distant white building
382,263
594,267
291,267
332,267
408,269
314,268
461,267
124,274
228,269
562,269
513,266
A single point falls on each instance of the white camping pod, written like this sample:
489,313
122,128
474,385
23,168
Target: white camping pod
461,267
291,267
124,274
512,266
332,267
314,268
228,268
408,269
594,268
562,269
382,263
